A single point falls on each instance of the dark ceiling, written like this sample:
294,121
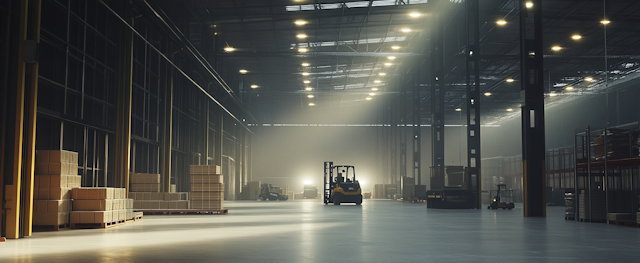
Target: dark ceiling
349,43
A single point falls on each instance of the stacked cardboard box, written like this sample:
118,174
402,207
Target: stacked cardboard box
56,173
141,182
148,200
99,205
594,210
207,189
251,191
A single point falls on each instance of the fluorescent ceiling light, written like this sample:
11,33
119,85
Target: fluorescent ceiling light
300,22
306,81
352,42
458,109
501,22
243,71
310,96
569,88
529,4
351,4
395,47
312,104
509,109
308,88
487,94
510,80
556,48
301,36
605,22
406,30
302,50
369,98
254,86
388,64
414,14
382,74
576,37
305,64
229,49
374,89
391,57
305,73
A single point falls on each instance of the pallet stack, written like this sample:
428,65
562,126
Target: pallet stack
56,173
594,210
164,201
207,189
100,207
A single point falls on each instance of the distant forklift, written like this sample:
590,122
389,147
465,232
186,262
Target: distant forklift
272,193
501,198
340,184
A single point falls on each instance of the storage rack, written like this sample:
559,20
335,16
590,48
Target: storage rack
608,180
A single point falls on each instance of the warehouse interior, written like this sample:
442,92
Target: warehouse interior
192,130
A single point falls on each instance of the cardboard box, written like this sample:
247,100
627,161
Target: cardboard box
59,168
208,178
93,193
205,169
52,206
135,187
58,193
204,187
140,178
206,204
182,204
50,219
206,195
93,205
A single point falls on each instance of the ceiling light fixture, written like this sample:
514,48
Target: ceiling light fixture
576,37
243,71
300,22
509,109
305,64
415,14
556,48
369,98
501,22
254,86
487,94
310,96
308,88
372,94
305,73
569,88
510,80
302,50
529,4
605,22
589,79
377,81
391,57
388,64
382,74
306,81
374,89
405,30
458,109
229,49
312,104
395,47
301,36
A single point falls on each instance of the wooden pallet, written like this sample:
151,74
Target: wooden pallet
98,225
181,211
593,220
623,223
49,228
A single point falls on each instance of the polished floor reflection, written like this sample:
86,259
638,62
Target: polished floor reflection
308,231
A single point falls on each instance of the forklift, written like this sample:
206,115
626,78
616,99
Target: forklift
501,198
340,184
272,193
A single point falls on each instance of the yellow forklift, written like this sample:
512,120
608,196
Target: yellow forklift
340,184
501,198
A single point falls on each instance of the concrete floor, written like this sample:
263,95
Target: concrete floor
309,231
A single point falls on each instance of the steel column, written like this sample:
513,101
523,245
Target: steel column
219,138
123,105
167,118
437,103
532,92
417,120
473,101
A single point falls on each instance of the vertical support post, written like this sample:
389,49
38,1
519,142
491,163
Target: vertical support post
417,120
31,110
393,134
219,138
123,110
239,145
437,104
167,118
532,92
473,102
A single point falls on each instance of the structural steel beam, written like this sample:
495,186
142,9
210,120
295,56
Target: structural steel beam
123,106
417,120
532,90
167,118
437,103
473,101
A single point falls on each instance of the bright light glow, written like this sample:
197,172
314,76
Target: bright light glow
306,81
301,36
576,37
369,98
405,30
510,80
605,22
553,94
307,182
589,79
305,73
254,86
312,104
529,4
302,50
569,88
229,49
305,64
395,47
501,22
300,22
414,14
509,109
372,94
382,74
374,89
308,88
391,57
243,71
388,64
377,81
556,48
310,96
458,109
487,94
